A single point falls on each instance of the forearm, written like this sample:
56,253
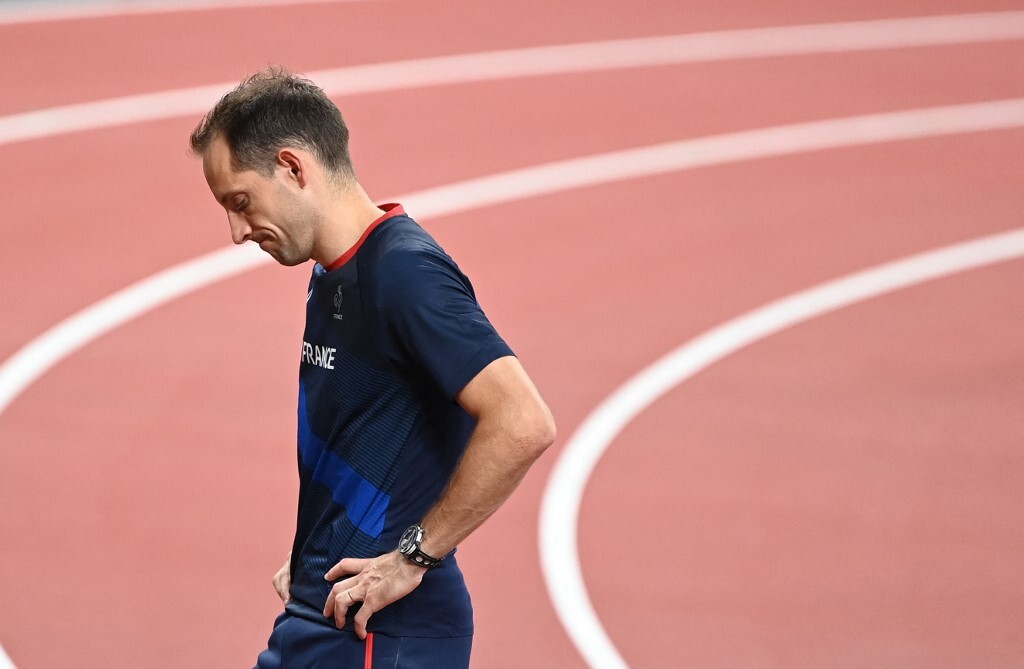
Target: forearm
513,428
496,460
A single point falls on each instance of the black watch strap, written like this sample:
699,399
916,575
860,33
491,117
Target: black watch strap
422,559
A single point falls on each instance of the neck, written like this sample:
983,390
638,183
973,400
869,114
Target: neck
346,218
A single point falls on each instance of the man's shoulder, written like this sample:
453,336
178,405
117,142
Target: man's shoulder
403,255
400,239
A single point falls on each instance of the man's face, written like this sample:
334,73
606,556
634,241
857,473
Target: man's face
265,210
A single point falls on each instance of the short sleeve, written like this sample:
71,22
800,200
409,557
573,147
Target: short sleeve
433,321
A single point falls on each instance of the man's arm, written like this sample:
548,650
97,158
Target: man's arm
513,428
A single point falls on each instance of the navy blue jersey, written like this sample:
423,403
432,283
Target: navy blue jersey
393,333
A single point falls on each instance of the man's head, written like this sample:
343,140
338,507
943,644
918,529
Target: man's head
273,149
273,109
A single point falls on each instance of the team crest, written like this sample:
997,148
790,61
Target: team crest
337,304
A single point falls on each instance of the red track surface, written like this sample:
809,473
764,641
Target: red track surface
846,493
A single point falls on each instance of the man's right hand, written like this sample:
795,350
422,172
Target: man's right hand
283,580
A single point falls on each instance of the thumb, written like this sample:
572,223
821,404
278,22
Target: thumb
346,566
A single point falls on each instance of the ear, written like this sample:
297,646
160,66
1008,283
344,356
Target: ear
295,164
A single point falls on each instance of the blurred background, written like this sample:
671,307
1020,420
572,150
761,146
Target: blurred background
831,481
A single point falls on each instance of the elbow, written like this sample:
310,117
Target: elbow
538,432
549,431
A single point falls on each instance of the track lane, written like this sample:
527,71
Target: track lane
156,220
492,225
843,494
55,64
499,237
783,241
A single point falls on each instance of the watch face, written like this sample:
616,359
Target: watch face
410,540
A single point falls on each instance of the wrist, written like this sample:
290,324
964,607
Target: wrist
410,567
411,547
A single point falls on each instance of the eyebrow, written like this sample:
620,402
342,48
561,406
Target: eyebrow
223,198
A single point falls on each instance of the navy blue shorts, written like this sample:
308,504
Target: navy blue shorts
298,643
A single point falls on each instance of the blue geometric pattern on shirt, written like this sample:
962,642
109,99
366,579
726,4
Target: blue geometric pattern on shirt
336,537
365,505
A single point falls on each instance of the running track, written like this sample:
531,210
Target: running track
843,493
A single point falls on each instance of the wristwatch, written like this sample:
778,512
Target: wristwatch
409,546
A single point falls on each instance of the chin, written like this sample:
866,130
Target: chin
288,261
284,254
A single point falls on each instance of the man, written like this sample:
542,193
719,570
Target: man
416,421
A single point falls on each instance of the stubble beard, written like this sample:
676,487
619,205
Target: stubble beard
302,227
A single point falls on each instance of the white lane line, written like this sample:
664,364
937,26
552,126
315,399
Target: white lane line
564,492
538,61
560,507
721,149
39,355
5,660
38,12
46,350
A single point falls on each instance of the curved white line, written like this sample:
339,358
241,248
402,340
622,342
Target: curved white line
564,491
42,353
39,12
563,59
35,358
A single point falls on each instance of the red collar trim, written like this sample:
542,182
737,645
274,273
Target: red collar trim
390,211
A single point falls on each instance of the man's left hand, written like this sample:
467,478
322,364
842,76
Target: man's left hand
376,582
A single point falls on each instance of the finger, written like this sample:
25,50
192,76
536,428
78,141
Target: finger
344,602
346,566
361,619
283,586
339,601
329,604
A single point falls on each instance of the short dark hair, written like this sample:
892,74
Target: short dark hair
272,109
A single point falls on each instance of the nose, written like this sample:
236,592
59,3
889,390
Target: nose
240,230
